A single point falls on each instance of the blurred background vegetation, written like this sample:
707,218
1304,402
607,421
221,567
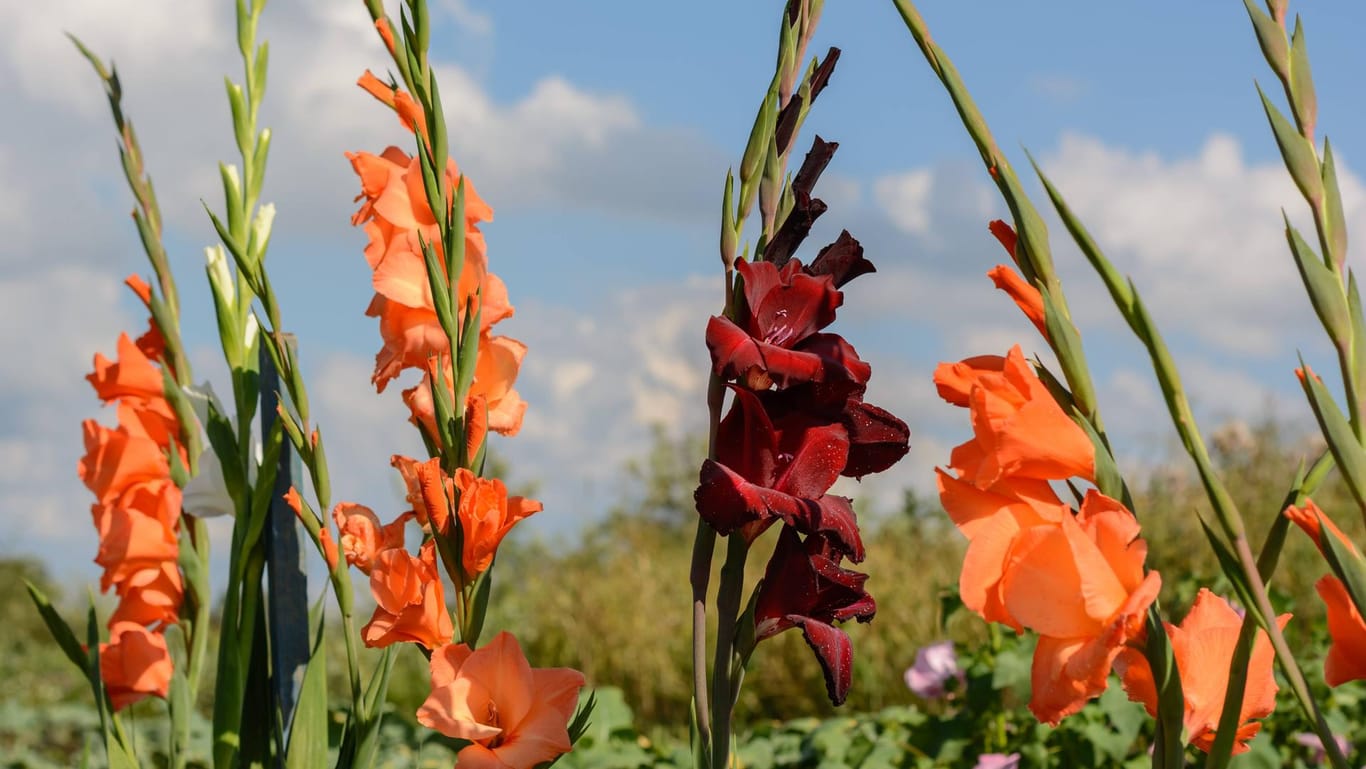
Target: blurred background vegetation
614,602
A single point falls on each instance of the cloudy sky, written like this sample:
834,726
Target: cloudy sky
601,134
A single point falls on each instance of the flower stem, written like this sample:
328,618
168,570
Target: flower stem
728,599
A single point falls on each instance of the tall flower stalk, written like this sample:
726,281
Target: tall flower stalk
797,420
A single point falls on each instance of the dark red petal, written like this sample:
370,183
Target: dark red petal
725,500
794,309
839,358
877,439
835,654
842,260
836,520
746,440
818,454
732,348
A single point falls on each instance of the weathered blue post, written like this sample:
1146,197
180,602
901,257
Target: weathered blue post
287,589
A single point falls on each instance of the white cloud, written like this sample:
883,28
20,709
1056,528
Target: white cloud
906,197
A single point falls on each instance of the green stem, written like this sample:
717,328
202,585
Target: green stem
728,599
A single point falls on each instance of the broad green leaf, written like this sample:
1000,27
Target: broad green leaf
308,731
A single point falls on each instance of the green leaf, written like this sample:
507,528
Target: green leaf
1301,86
1335,221
1322,284
61,632
1351,459
1347,565
482,588
1297,152
1271,38
308,733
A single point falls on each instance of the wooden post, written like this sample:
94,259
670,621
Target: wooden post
287,591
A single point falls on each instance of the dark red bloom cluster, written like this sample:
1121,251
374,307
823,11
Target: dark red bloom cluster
796,423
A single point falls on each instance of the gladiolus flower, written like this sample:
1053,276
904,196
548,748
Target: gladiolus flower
1347,656
804,586
935,665
1021,430
151,596
410,604
1080,585
765,472
515,716
495,372
362,536
486,514
777,341
1203,644
135,664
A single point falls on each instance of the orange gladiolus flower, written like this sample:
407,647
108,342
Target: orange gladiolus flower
116,459
410,601
1347,656
515,716
1203,644
430,490
362,536
1021,431
486,515
1080,585
135,664
151,596
132,379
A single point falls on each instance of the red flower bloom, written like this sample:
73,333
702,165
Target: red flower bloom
805,586
777,340
765,472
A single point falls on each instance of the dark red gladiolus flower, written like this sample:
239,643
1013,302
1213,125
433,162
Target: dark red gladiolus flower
877,438
804,586
776,341
766,471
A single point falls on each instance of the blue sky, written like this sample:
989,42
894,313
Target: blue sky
601,133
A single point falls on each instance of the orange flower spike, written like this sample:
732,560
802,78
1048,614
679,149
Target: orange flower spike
486,515
1347,655
410,603
514,715
1026,297
135,664
1080,585
1203,644
1313,521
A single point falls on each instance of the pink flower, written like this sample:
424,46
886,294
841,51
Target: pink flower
998,761
934,666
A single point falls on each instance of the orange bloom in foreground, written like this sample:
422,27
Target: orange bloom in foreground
1347,656
515,715
1203,644
1021,431
486,515
135,664
1080,585
410,604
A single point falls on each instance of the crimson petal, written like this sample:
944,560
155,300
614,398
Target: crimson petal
835,654
842,260
877,439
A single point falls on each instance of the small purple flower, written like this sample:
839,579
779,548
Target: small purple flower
934,666
998,761
1312,741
